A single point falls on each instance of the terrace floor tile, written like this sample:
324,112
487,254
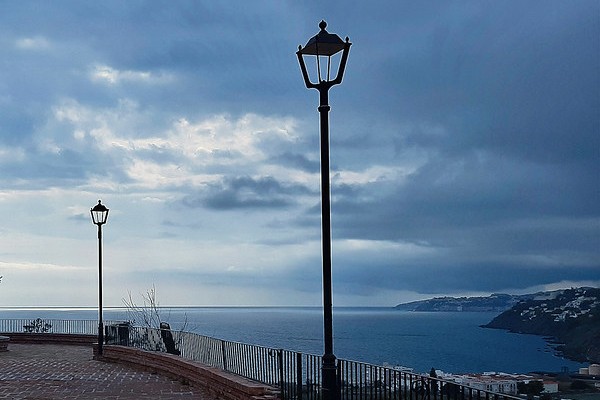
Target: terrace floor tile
41,371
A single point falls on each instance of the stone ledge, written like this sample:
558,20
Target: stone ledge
223,384
52,338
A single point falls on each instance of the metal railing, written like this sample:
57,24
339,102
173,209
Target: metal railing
298,375
38,325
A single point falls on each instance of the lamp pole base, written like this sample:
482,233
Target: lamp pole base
100,338
329,384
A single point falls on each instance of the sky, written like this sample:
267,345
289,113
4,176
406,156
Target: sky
464,140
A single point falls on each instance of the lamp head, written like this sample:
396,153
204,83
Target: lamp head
324,44
99,213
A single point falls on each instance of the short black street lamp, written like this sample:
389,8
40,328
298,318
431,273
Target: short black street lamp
99,217
325,45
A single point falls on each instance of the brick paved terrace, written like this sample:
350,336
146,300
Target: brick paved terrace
43,371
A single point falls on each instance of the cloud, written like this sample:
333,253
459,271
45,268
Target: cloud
464,147
247,192
79,140
112,76
33,43
297,161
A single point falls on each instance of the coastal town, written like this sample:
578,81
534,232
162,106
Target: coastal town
582,384
583,303
586,380
569,319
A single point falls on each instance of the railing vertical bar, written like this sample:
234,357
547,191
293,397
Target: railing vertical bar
343,378
397,384
317,375
255,362
290,366
346,380
371,382
355,378
316,381
237,351
269,367
232,357
309,373
265,359
258,359
359,379
388,386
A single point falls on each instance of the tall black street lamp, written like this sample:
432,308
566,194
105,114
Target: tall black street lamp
99,217
323,46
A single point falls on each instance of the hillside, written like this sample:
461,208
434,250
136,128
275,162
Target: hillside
495,302
571,316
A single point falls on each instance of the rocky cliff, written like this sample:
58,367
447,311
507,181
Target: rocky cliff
570,316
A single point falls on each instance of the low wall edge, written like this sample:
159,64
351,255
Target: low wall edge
222,383
51,338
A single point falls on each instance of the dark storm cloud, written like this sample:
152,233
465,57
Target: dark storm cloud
297,161
247,192
503,103
514,80
453,278
474,193
538,221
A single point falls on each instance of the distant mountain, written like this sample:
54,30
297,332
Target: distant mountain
494,302
570,316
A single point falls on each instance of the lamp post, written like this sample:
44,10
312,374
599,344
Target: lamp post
323,46
99,217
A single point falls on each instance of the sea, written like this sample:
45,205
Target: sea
453,342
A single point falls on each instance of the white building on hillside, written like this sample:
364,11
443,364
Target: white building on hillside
496,382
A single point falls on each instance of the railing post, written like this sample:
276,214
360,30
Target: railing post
281,375
338,379
299,376
224,355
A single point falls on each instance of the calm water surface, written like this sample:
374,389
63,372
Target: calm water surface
452,342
